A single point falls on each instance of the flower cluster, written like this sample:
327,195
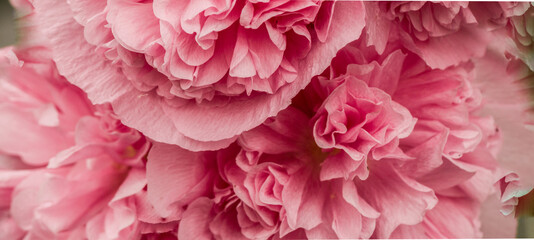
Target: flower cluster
275,119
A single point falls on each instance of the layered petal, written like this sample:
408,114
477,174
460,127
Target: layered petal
164,72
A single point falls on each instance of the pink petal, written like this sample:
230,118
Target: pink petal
386,190
494,223
34,137
196,219
174,177
107,83
127,31
443,52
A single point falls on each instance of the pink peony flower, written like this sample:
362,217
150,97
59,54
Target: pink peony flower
84,174
239,62
358,120
265,120
272,183
432,30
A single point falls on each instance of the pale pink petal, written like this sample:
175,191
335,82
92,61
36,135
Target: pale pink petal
276,135
453,218
493,223
385,188
175,177
443,52
510,190
196,219
102,88
17,142
127,31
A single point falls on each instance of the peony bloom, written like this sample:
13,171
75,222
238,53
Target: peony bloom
298,175
275,119
239,62
358,120
431,30
269,186
84,174
274,194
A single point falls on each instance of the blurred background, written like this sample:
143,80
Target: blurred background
7,25
8,36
